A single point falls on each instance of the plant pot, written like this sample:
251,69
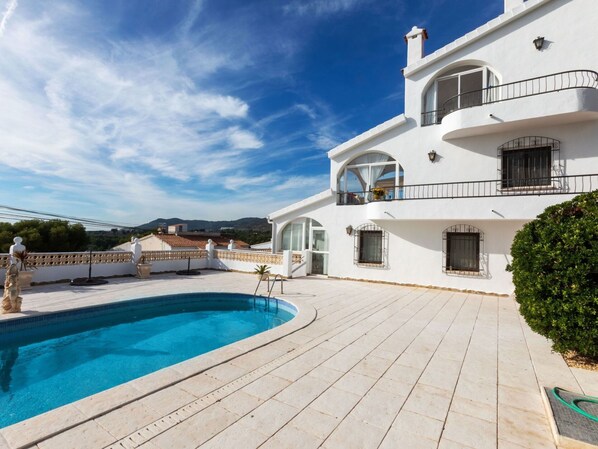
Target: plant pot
144,270
263,277
25,279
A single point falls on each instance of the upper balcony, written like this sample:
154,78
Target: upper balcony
564,97
484,200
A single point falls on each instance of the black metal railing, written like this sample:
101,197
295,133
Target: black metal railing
572,79
553,185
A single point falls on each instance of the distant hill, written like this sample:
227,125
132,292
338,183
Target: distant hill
249,223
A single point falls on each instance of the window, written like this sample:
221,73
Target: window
357,181
371,243
463,250
528,162
370,247
459,88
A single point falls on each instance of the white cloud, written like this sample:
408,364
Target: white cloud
243,140
8,12
321,7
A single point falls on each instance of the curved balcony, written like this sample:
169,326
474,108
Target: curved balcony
564,97
488,199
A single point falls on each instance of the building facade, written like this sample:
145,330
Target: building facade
498,125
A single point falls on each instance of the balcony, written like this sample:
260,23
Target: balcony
566,97
487,199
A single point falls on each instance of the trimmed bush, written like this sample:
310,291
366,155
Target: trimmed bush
555,272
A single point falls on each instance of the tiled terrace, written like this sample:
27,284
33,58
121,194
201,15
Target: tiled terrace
381,367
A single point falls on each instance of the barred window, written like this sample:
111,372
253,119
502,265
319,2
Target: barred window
370,246
529,161
463,251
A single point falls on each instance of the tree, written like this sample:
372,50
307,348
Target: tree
44,236
555,272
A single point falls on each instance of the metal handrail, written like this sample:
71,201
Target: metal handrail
278,276
553,185
570,79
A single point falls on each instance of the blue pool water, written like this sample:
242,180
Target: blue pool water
51,360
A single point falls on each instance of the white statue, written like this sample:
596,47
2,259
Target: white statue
136,249
17,247
231,245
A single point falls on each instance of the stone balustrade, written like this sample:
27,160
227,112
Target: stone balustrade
245,256
153,256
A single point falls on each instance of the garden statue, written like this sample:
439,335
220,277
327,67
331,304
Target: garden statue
17,247
136,249
11,301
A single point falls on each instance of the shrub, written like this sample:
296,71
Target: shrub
555,272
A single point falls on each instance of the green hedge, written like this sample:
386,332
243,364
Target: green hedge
555,272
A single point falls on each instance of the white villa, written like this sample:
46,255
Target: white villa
498,125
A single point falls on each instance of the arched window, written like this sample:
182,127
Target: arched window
463,250
459,88
370,177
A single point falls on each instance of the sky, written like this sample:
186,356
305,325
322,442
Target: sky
130,110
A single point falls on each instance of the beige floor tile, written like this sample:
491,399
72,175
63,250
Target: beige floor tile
325,373
471,432
227,372
315,423
240,402
355,383
523,427
269,417
530,400
235,436
422,426
354,434
402,373
378,408
448,444
475,409
372,366
200,385
168,400
335,402
89,435
196,430
125,420
266,387
300,393
429,401
292,438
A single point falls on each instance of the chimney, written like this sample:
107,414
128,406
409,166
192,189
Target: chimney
512,4
415,44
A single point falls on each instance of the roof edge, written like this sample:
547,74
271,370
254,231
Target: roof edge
471,37
368,135
314,199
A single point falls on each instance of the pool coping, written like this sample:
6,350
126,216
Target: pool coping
29,432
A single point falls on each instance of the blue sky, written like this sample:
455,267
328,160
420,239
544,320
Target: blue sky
131,110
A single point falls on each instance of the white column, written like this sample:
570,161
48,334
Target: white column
210,250
287,263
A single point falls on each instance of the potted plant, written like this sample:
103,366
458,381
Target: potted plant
26,268
263,271
144,269
378,193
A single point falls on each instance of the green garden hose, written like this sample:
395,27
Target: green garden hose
573,404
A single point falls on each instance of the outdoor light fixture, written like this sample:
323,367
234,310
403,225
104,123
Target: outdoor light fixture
349,230
539,42
432,156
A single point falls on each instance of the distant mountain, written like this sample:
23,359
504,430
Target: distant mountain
249,223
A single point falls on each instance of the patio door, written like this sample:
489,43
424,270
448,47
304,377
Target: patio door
319,249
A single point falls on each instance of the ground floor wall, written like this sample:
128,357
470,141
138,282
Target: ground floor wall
415,255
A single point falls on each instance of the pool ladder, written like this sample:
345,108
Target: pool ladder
270,287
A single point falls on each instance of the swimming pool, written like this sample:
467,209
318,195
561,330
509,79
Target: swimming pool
50,360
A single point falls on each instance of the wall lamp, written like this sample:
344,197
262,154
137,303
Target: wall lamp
432,156
539,42
349,230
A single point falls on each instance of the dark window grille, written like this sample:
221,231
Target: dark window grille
370,246
529,162
463,251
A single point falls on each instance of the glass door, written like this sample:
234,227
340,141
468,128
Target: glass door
319,247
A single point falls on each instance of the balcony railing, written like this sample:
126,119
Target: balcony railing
553,185
572,79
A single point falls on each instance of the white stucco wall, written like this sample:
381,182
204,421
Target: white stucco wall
467,149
